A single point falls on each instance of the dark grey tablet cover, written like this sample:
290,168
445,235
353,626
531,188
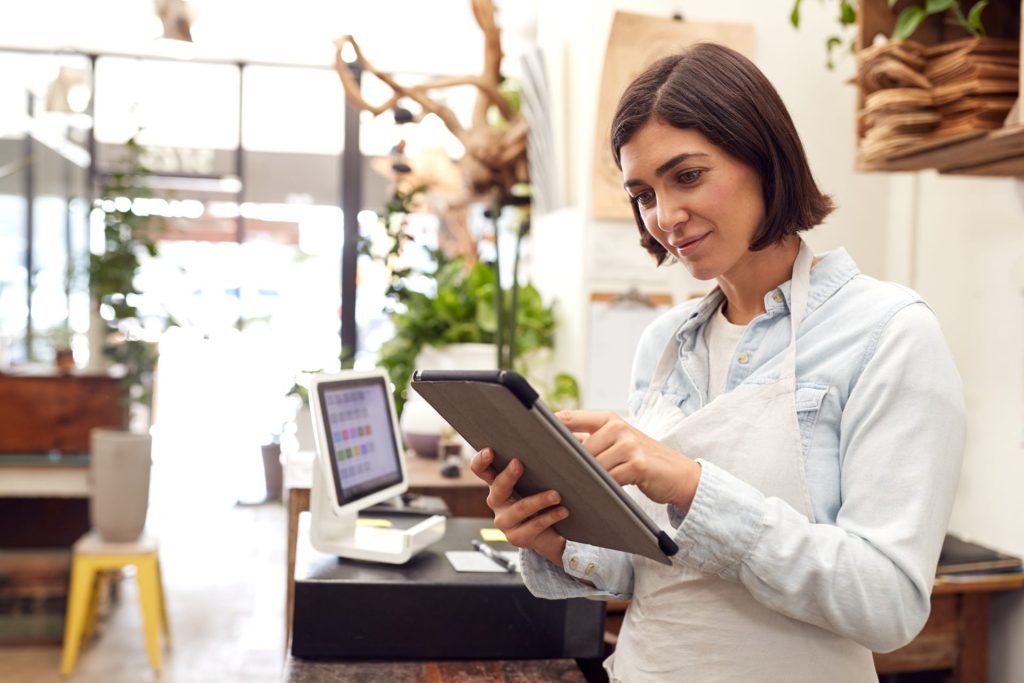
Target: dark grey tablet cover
499,410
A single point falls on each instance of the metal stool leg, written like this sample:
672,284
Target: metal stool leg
149,597
163,604
83,571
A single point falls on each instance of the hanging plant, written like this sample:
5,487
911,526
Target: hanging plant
912,17
907,22
845,35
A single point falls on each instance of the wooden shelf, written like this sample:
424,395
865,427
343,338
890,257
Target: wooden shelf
999,153
996,153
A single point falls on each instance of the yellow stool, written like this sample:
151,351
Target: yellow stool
92,557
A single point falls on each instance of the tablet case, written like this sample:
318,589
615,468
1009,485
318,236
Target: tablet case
498,409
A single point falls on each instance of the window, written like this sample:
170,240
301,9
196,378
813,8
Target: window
176,104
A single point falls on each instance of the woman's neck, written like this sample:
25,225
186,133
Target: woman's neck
762,271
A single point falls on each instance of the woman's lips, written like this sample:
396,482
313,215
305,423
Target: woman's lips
690,246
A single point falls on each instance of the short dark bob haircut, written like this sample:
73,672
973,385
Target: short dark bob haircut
721,94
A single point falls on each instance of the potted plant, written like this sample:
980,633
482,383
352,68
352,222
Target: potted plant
456,322
456,328
120,459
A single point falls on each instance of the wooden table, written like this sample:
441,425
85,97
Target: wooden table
955,637
465,496
514,671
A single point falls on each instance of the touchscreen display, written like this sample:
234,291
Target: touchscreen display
360,437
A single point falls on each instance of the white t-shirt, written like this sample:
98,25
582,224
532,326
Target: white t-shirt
722,338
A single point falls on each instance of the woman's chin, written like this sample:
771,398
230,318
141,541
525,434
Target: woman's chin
699,269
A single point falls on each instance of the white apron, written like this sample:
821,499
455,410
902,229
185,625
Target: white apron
686,625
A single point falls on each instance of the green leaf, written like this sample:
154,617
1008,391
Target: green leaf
566,392
830,44
447,305
794,16
486,311
907,23
974,17
937,6
847,13
480,277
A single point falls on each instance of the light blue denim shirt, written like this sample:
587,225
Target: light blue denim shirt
881,416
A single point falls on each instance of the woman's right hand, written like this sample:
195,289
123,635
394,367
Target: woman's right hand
526,522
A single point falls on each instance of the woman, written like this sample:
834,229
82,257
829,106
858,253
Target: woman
798,431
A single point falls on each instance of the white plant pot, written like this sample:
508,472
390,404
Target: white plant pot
421,425
304,429
120,464
97,337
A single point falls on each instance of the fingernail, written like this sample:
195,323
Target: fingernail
514,466
552,497
486,455
563,513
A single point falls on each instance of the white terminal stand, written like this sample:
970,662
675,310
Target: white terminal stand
337,533
334,527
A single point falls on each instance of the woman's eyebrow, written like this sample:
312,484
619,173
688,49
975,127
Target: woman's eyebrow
675,160
661,170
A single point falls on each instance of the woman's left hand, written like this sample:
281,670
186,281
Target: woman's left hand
632,457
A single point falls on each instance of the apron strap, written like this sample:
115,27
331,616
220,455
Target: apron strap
801,282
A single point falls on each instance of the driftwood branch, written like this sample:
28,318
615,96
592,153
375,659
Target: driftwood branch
417,93
495,156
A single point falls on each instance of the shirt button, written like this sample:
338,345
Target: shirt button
573,563
589,570
777,297
743,358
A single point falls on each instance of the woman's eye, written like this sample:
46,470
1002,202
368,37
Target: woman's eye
691,176
643,198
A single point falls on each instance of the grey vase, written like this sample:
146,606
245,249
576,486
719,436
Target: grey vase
119,469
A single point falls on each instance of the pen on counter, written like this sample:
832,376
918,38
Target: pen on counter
493,555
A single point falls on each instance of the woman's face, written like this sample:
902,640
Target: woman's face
701,204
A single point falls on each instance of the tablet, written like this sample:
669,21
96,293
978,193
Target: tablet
498,409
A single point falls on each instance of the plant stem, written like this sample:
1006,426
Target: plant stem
513,315
499,298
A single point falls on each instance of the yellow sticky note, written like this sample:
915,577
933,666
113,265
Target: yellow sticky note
369,521
493,536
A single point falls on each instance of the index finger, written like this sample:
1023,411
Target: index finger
588,421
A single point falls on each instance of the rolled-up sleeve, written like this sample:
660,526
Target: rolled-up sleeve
869,576
609,571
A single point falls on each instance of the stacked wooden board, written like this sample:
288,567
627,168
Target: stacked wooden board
899,108
974,83
917,99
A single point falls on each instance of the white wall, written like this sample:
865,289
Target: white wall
969,265
959,241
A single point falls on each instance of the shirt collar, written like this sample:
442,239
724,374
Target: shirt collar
833,270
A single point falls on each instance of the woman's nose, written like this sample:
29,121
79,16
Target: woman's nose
670,216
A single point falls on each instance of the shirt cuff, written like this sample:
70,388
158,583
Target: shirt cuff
722,525
545,580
